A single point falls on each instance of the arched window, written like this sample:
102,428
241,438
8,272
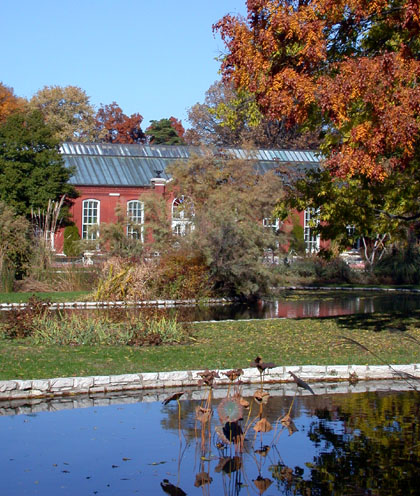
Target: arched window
312,241
135,215
90,219
182,216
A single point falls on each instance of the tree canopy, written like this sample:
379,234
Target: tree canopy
67,111
31,168
9,102
351,67
232,118
229,200
113,126
165,132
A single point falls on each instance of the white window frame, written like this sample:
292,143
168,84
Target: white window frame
182,223
312,241
88,206
274,223
135,215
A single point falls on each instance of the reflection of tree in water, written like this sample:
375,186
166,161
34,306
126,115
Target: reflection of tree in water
377,450
365,444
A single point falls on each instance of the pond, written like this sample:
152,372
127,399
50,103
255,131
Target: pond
293,305
359,444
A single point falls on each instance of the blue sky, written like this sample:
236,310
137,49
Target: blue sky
155,57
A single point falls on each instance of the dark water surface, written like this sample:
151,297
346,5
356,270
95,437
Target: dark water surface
358,444
296,306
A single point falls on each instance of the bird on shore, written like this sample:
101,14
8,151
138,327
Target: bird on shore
301,383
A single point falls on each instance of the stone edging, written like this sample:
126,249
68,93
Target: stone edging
108,304
66,386
342,288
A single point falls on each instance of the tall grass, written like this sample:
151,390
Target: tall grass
76,329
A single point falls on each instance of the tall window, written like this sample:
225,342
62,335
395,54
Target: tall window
311,240
135,214
90,219
182,216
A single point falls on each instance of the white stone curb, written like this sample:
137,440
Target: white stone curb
138,303
286,390
66,386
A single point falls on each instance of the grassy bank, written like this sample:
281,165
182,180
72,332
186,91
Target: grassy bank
51,296
393,338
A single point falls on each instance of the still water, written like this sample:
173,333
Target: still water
290,306
345,444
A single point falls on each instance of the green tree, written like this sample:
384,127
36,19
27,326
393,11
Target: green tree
32,170
67,110
14,245
164,132
71,246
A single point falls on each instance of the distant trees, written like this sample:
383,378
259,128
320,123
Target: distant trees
67,111
9,102
113,126
165,132
231,118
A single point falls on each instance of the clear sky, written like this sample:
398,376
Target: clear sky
155,57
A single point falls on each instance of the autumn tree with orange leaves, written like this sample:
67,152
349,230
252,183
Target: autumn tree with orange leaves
351,67
113,126
9,102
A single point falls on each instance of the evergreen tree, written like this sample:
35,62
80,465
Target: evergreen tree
32,170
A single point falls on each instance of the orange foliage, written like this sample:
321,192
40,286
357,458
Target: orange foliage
9,102
177,125
366,96
117,127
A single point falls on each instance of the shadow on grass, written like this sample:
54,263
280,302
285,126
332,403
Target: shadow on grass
381,322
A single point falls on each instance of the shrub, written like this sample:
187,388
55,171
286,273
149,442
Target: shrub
71,236
297,240
400,266
182,275
124,280
334,270
21,323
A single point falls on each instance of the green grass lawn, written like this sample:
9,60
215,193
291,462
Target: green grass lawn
52,296
393,338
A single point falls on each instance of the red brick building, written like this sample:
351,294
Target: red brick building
107,175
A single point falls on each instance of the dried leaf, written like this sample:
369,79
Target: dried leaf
203,414
262,366
287,421
219,431
232,375
207,377
262,425
262,484
202,478
263,451
261,397
229,465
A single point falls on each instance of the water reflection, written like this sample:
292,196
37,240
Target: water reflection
345,444
305,306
